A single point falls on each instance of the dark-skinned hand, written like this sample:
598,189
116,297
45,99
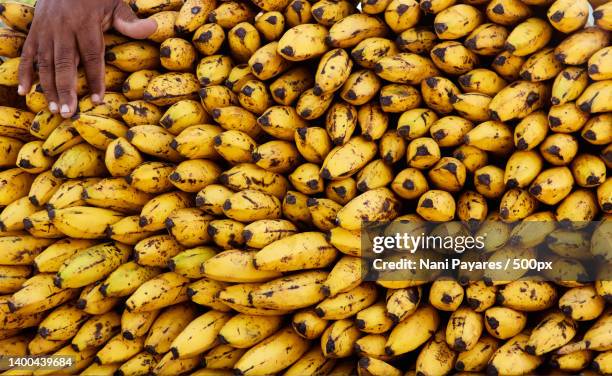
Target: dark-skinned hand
65,33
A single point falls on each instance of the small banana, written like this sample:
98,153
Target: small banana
161,291
577,48
436,357
353,29
512,359
528,37
421,325
99,261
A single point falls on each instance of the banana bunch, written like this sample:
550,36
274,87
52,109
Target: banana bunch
209,216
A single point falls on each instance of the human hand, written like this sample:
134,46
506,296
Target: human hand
66,32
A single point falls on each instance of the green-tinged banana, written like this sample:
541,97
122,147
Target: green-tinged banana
303,42
62,323
169,88
436,357
99,261
446,294
413,331
436,205
512,359
270,25
235,266
161,291
119,349
259,328
538,295
134,86
226,233
156,250
347,304
125,279
291,292
577,48
353,29
167,326
193,14
405,68
370,50
189,226
528,37
82,160
62,138
273,354
374,319
155,212
37,294
262,233
567,15
308,324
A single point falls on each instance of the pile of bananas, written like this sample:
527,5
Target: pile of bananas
206,218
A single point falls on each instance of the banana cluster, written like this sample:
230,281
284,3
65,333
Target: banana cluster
206,218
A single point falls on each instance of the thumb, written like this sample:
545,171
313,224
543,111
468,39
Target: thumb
126,22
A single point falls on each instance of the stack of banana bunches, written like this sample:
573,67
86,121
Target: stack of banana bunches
206,218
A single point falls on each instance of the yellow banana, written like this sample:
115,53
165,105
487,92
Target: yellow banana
169,88
511,358
421,325
99,261
347,304
38,294
528,37
96,331
161,291
119,349
62,138
308,324
353,29
338,340
261,327
167,326
307,250
579,47
155,212
436,357
291,292
126,279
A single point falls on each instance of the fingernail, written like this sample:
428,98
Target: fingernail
65,109
53,107
95,98
21,90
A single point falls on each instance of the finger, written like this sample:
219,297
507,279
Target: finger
126,22
65,54
46,73
26,67
91,48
